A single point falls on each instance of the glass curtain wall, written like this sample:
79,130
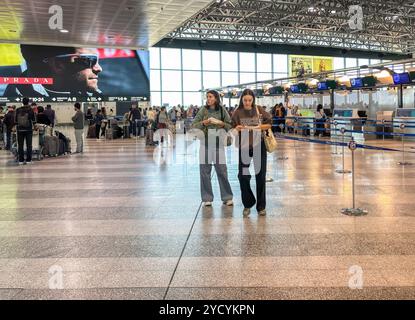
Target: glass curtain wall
177,76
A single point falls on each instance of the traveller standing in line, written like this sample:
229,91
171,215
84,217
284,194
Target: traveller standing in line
9,122
78,123
25,118
98,123
135,117
250,120
50,113
320,118
104,122
275,113
89,116
41,117
210,118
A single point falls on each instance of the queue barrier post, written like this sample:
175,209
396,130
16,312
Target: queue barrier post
295,130
335,130
403,162
353,211
343,171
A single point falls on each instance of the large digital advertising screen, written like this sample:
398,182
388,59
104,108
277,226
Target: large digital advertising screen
67,74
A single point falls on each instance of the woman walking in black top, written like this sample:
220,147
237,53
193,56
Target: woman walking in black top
250,120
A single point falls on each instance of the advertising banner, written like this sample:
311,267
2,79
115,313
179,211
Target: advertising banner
62,74
300,66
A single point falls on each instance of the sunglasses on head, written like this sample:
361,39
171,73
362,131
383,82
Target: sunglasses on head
85,60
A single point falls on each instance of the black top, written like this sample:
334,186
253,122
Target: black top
9,120
43,119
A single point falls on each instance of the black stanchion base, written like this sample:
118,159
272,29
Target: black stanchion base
405,163
354,212
343,171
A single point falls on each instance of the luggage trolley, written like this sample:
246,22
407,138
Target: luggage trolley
37,145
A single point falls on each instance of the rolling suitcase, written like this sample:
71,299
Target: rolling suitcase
68,147
91,132
64,143
306,131
61,149
109,134
149,137
51,147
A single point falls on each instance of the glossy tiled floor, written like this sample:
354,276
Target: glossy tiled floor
120,224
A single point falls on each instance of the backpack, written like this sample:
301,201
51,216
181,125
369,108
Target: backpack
23,120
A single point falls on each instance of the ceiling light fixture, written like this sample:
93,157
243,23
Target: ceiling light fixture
63,30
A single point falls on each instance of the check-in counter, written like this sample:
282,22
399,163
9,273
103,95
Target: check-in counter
407,117
350,120
306,119
383,124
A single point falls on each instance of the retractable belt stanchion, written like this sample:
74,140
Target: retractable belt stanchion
353,211
343,171
282,157
335,130
383,126
295,130
136,129
403,162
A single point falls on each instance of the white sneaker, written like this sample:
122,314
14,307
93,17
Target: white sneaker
228,203
262,212
21,163
30,162
207,204
246,212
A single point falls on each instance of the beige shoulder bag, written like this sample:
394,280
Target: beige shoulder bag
269,139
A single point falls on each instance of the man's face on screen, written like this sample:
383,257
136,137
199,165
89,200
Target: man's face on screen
77,71
86,78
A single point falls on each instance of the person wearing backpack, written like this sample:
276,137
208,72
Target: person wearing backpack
209,119
25,118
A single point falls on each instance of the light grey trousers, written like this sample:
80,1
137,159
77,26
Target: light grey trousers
214,157
79,136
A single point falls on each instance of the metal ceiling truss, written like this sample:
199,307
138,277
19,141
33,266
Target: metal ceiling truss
389,26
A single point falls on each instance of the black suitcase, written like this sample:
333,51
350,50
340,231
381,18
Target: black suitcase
91,132
61,147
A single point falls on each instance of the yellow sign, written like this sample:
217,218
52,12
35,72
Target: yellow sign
300,66
322,64
10,55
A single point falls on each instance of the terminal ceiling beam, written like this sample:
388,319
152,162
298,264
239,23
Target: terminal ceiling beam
389,26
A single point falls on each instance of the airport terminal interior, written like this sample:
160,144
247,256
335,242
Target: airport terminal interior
114,202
